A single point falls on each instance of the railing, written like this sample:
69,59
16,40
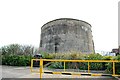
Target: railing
88,61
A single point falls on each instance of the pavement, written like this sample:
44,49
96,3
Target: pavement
14,72
24,72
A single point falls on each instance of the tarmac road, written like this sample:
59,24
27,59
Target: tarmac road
14,72
24,72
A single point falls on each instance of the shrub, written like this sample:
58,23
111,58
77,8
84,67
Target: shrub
117,66
57,65
17,49
77,65
16,60
94,65
16,55
107,57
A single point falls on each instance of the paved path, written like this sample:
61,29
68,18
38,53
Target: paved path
14,72
24,72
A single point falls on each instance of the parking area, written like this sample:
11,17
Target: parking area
14,72
24,72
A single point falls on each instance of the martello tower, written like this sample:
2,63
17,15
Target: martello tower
66,34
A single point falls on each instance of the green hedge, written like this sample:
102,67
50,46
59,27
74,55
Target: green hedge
95,66
16,55
16,60
82,65
77,56
117,66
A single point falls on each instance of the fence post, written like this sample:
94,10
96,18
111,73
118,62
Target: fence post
41,67
113,68
64,66
31,65
88,67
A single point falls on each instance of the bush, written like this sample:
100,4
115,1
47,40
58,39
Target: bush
17,49
117,66
57,65
77,65
94,65
16,60
16,55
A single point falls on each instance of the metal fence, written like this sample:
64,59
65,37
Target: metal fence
41,71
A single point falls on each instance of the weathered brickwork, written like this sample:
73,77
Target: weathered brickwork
65,34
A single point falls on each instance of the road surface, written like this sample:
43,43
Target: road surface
24,72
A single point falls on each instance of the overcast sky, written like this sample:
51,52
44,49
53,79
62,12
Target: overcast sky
21,20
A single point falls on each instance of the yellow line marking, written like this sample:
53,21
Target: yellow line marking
56,72
96,74
115,75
